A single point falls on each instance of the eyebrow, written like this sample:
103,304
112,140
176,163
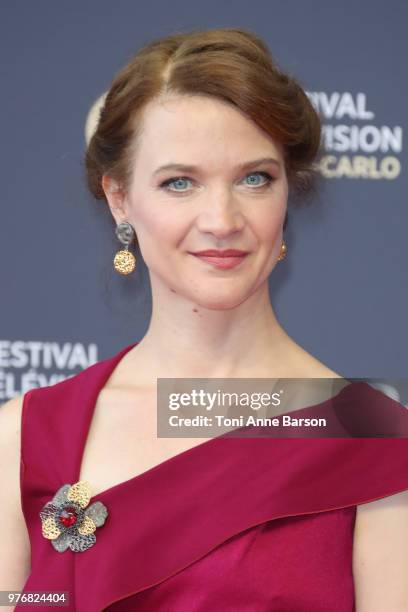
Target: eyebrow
245,166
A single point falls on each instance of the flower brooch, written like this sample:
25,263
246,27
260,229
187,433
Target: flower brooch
67,523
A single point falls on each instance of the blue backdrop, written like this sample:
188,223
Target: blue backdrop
342,291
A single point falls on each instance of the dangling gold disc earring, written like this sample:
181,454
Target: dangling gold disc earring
283,251
124,261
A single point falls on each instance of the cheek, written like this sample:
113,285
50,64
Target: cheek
268,227
157,235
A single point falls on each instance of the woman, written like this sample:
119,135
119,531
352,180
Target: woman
200,142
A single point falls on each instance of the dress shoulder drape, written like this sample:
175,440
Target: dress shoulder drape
251,524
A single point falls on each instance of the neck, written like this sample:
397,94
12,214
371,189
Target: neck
186,340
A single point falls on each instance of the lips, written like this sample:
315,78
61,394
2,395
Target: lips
224,253
223,260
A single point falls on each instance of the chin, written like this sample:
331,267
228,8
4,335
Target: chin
218,302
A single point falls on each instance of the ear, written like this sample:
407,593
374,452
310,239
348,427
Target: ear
115,198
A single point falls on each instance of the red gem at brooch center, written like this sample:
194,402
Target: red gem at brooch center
68,516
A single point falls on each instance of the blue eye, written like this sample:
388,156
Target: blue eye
182,180
174,181
268,178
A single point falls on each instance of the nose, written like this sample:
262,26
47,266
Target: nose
221,215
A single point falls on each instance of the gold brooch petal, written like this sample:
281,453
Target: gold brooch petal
80,493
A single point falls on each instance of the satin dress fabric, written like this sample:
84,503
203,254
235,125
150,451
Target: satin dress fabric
235,524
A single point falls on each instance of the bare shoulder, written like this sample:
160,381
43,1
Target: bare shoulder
317,369
15,550
380,554
10,417
308,366
10,430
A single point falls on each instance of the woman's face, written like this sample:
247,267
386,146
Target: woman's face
216,195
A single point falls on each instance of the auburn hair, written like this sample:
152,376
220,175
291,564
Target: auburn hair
231,64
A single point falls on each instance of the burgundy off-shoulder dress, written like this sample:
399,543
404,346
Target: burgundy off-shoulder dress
251,524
